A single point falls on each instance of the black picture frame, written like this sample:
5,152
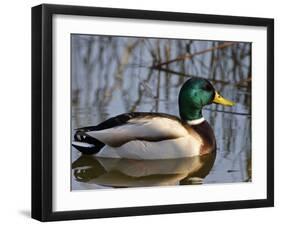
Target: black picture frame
42,111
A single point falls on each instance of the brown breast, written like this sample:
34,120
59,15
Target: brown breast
205,132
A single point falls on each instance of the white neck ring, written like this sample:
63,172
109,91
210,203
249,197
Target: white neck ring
195,121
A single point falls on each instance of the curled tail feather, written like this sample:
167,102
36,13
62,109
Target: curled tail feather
86,144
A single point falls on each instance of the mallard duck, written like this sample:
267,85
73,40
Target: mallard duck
147,135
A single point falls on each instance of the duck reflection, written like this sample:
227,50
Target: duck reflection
120,173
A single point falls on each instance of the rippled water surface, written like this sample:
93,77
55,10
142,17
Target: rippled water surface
114,75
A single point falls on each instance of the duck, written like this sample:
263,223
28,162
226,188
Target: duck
155,135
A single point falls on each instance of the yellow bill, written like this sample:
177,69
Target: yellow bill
218,99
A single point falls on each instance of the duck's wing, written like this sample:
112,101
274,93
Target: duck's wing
136,126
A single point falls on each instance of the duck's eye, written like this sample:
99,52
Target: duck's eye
208,87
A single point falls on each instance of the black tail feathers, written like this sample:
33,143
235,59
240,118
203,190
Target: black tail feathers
86,144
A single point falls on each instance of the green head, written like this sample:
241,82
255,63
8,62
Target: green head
194,95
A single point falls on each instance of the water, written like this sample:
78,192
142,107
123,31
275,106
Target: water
114,75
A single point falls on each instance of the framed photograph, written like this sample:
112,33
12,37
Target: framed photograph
145,112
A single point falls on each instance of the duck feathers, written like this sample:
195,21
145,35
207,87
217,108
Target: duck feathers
140,136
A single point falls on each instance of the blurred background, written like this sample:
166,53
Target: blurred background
113,75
